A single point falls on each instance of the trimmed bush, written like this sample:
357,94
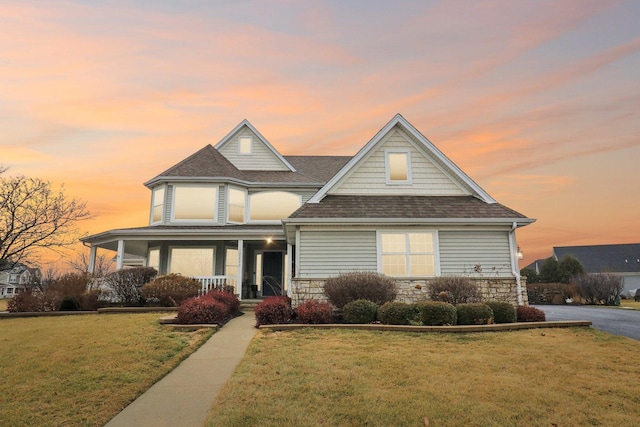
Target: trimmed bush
348,287
198,310
474,314
314,312
171,289
454,290
227,298
397,313
437,313
503,312
530,314
274,311
360,311
126,284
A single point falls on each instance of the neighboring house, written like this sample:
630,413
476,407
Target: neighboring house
287,223
622,260
17,279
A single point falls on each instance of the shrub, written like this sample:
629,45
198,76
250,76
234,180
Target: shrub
349,287
474,314
599,288
503,312
397,313
526,313
273,311
202,311
437,313
550,293
360,311
227,298
126,284
314,312
454,290
28,301
171,289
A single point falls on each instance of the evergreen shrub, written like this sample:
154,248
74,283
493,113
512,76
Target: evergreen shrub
436,313
474,314
397,313
360,311
503,312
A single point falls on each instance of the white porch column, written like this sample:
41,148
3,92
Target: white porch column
120,255
92,259
240,267
287,269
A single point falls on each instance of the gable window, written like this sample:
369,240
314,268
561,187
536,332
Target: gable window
398,167
192,262
273,205
157,204
407,254
244,145
194,202
236,205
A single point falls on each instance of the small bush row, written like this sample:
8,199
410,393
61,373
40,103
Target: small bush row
215,307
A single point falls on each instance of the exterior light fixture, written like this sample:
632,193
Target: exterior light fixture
519,253
269,240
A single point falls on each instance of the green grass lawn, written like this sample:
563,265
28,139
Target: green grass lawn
542,377
83,370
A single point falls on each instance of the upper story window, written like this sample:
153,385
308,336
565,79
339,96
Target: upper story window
157,204
273,205
195,202
13,278
398,167
244,145
236,205
407,254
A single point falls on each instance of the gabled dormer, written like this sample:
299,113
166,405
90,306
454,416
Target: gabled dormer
247,149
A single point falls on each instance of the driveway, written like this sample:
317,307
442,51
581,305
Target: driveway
613,320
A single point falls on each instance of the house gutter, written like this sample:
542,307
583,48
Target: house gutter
514,261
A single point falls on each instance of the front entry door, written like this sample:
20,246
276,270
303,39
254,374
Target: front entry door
272,273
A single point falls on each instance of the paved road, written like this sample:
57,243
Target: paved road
612,320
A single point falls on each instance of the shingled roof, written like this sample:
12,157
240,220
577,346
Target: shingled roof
624,258
388,207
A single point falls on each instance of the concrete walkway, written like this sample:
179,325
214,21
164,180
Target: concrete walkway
183,398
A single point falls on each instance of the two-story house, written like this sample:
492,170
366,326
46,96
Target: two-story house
242,214
17,279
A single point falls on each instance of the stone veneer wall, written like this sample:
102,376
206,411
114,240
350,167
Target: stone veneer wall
410,290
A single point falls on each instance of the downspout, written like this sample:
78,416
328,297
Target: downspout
514,261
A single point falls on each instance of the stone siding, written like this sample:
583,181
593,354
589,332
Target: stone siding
410,290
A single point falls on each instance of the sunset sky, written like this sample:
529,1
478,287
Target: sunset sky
538,101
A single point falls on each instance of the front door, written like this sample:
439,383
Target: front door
272,266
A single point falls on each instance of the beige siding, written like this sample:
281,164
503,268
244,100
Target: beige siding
222,205
328,253
461,251
369,176
261,157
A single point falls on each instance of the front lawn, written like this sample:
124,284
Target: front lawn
630,303
3,304
83,370
540,377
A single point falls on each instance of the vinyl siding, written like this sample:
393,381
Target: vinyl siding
461,251
222,205
328,253
369,177
261,158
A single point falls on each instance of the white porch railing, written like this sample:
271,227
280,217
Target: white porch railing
217,282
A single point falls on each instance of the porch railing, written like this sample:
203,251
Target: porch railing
217,282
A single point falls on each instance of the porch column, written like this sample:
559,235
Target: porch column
287,269
92,259
120,255
240,267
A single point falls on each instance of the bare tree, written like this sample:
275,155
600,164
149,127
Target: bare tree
34,216
103,264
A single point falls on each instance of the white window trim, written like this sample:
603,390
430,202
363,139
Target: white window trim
436,249
250,138
267,221
246,204
195,221
213,263
387,168
153,204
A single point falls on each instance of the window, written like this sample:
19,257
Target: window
236,205
192,262
398,167
244,145
407,254
194,202
273,205
13,278
157,204
153,260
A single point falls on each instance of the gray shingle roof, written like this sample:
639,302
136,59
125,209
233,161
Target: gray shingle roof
388,207
624,258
